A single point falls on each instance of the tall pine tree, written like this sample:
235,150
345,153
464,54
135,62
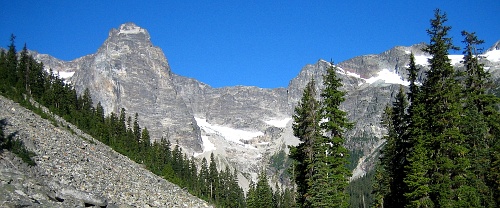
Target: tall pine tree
331,176
306,128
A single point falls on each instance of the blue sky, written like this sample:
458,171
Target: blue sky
257,43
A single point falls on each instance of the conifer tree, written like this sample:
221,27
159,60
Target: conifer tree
23,71
10,69
306,128
203,179
331,176
213,178
479,110
264,193
251,196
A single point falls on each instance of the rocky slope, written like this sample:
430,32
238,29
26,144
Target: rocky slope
242,125
74,170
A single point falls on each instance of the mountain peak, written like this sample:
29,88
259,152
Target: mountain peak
495,46
130,30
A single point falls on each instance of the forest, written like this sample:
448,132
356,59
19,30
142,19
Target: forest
442,145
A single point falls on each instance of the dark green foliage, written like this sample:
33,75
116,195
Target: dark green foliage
360,191
331,176
281,165
441,150
16,146
393,159
320,161
306,128
354,156
260,194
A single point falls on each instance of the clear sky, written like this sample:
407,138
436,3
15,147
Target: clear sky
257,43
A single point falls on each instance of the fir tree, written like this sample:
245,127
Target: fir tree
263,192
306,128
394,154
331,175
213,178
478,108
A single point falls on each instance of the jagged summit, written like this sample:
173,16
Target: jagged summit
130,31
131,28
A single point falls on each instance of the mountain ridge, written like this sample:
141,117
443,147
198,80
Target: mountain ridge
129,72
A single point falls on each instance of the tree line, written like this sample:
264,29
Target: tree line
443,141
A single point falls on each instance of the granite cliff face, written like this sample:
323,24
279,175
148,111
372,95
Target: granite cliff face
242,125
128,72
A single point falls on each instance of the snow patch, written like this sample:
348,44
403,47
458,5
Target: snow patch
61,74
423,59
280,123
230,134
66,75
407,52
349,73
207,146
456,59
493,56
388,77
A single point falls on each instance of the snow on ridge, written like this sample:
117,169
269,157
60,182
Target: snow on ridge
280,123
230,134
207,146
423,59
388,77
493,55
456,59
348,73
61,74
66,75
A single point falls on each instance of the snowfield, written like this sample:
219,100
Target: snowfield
422,59
230,134
388,77
280,123
65,75
493,56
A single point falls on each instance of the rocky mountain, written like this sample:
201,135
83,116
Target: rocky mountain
128,72
74,170
242,125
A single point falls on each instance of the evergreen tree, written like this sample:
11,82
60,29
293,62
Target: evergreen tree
390,174
213,178
331,176
23,72
306,128
251,199
10,68
288,198
203,179
263,192
480,132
